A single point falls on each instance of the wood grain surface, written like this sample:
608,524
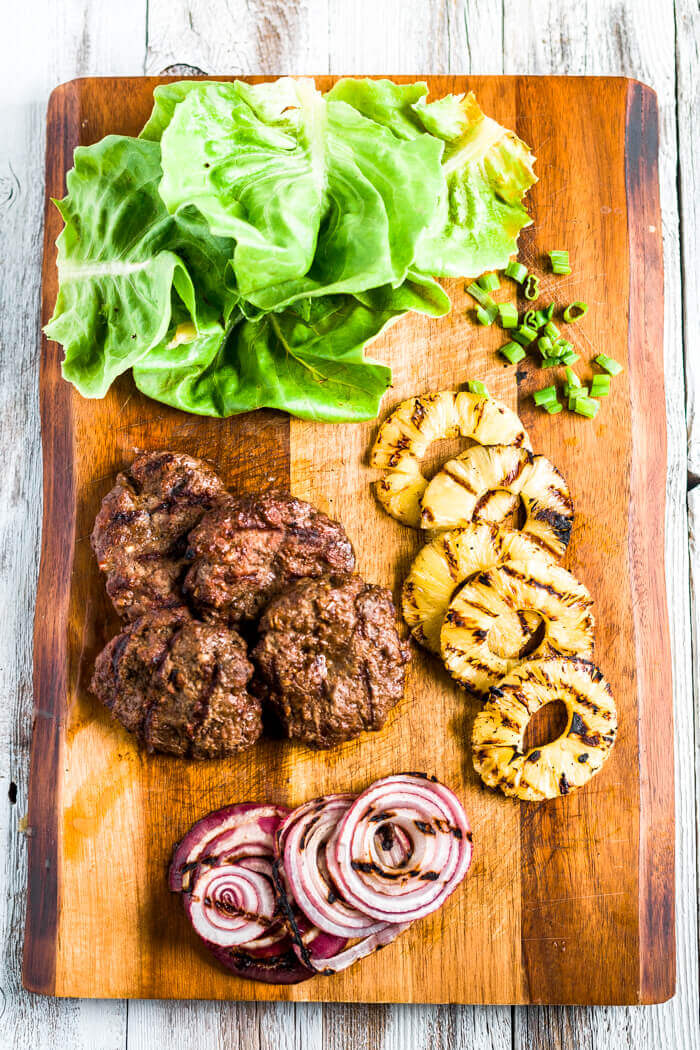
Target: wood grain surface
554,888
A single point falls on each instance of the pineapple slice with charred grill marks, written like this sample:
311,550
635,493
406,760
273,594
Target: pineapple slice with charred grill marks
564,764
481,632
468,488
447,562
405,436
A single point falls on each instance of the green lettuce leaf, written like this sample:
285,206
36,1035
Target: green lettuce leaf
487,171
258,179
307,359
123,262
380,196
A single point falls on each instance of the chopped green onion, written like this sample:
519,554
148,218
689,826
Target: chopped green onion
563,346
575,394
489,282
508,314
512,352
540,318
527,334
600,386
478,293
550,362
549,312
609,364
544,396
586,406
560,262
475,386
575,311
552,331
488,315
569,358
516,270
532,287
571,378
553,407
530,319
544,345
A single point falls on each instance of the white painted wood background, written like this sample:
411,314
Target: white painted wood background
49,41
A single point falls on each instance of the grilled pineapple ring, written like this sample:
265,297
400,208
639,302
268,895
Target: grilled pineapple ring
566,763
483,625
447,562
405,436
466,489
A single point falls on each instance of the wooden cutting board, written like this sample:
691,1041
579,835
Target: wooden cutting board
567,902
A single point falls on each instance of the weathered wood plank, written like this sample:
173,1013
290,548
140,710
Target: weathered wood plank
688,106
634,40
50,43
238,37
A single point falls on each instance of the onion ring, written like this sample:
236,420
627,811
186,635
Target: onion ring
434,820
230,905
246,824
300,844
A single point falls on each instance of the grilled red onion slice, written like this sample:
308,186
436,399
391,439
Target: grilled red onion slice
328,964
246,829
230,905
301,843
282,968
432,817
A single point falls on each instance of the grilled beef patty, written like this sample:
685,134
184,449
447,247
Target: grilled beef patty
250,548
140,533
180,686
330,659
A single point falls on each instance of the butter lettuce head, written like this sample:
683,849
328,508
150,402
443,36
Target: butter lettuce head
243,251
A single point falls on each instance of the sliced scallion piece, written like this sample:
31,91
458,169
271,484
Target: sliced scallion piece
550,362
530,319
516,271
586,406
600,386
609,364
489,282
545,346
475,386
527,334
560,262
532,287
572,379
512,352
486,315
575,311
549,312
478,293
508,315
569,358
544,396
541,318
553,407
552,331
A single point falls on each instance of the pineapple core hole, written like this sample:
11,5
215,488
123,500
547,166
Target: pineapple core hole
546,725
440,451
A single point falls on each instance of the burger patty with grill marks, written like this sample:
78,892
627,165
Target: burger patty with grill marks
249,548
180,685
330,659
140,533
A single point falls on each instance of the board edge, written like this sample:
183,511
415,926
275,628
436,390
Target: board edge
649,468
